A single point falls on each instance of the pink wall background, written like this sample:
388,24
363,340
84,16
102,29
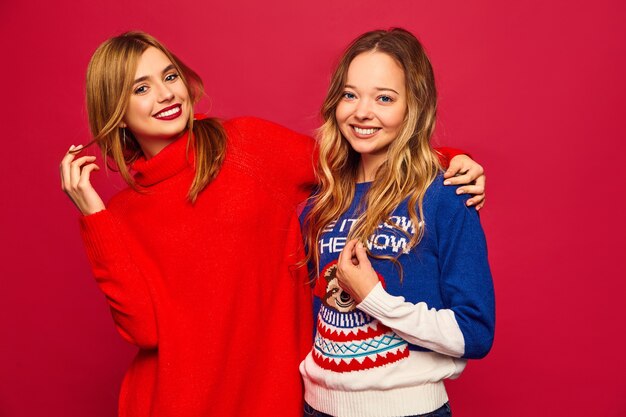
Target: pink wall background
534,89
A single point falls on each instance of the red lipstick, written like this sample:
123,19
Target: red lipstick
169,113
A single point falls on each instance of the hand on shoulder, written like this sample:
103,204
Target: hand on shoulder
466,172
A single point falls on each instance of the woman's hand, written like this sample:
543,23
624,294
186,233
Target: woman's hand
463,170
76,184
354,271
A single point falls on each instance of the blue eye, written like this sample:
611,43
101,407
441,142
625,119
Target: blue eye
141,89
385,99
171,77
348,95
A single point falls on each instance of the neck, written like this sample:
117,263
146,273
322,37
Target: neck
368,165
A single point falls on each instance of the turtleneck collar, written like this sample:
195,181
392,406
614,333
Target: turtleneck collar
170,161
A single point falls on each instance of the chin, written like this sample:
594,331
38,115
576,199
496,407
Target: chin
178,129
361,148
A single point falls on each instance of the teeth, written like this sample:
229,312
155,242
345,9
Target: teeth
361,131
169,112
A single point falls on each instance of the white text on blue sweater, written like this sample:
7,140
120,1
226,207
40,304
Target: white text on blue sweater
387,237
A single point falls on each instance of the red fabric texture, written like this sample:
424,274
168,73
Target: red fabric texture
446,154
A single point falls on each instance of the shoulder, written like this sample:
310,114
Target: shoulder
268,140
443,201
264,131
250,122
274,154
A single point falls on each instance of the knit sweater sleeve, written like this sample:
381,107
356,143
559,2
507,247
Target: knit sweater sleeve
465,326
446,154
281,159
433,329
117,274
467,286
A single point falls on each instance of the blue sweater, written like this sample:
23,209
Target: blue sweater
447,270
389,354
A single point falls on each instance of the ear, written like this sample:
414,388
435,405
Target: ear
122,125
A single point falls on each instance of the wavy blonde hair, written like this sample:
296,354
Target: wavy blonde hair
411,164
110,78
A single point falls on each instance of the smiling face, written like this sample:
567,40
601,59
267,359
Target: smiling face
373,106
159,105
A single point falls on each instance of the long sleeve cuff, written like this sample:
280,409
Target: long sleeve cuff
101,235
378,303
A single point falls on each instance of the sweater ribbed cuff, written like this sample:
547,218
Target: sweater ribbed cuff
379,303
101,235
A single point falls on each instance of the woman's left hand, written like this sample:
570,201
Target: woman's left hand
464,171
354,271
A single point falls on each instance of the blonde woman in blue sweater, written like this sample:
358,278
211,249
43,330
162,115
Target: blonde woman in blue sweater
404,294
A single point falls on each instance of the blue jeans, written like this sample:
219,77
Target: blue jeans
443,411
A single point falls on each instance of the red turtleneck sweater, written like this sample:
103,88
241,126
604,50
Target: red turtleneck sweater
208,291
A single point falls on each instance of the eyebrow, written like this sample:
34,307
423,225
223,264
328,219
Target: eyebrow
145,77
377,88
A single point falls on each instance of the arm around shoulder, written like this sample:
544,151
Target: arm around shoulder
282,158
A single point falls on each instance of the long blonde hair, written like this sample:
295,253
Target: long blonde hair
411,164
110,78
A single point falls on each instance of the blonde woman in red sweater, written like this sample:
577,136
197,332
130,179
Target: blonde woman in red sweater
217,336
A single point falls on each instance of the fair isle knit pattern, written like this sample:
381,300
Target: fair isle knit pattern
348,339
340,350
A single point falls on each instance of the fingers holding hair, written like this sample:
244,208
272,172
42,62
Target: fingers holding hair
76,181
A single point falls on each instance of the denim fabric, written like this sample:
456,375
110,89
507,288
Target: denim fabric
443,411
312,412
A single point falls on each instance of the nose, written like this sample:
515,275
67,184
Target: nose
164,94
363,109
